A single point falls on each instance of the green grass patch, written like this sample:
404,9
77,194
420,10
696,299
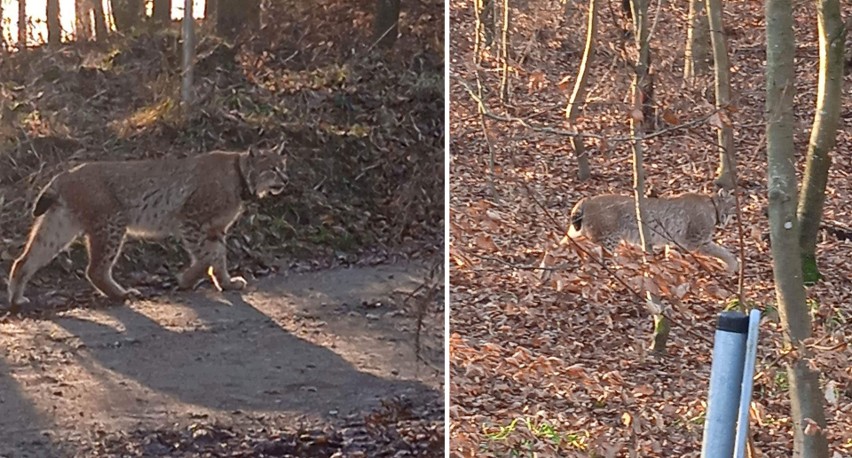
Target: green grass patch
521,435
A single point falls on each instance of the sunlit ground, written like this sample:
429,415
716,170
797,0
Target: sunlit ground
36,14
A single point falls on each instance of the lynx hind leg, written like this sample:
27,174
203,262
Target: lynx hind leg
719,252
51,233
206,253
104,245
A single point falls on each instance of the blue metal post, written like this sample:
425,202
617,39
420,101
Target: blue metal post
748,383
726,375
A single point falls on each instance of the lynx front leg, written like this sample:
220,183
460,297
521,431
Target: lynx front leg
220,270
206,253
719,252
104,246
50,234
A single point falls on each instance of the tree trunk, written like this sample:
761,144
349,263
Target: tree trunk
210,8
188,57
54,28
637,125
2,36
697,42
127,13
484,26
832,36
477,31
161,12
488,21
726,173
386,26
805,394
644,79
100,20
22,24
578,96
234,16
504,54
82,20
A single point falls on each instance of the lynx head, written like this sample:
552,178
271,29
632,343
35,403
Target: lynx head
264,171
725,204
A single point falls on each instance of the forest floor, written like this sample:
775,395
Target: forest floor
306,364
319,355
558,364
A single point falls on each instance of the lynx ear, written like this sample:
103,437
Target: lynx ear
252,151
723,193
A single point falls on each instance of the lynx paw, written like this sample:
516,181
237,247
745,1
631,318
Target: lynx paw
21,301
236,283
15,307
126,295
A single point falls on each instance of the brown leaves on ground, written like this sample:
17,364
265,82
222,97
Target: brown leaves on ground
548,349
397,427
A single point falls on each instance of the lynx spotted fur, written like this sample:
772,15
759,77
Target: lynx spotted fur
687,220
196,198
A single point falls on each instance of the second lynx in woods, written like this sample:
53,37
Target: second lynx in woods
196,198
687,220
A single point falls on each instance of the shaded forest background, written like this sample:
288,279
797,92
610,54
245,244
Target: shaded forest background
363,125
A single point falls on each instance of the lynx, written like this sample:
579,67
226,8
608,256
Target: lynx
687,220
196,199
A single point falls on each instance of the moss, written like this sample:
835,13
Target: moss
661,334
810,272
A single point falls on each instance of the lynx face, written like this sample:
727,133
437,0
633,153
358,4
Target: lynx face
725,205
196,199
687,220
267,170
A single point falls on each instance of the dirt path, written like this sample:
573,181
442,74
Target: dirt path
314,347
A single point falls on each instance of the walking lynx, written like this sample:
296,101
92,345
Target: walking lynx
196,198
687,220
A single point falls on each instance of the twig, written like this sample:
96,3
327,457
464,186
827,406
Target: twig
573,133
431,285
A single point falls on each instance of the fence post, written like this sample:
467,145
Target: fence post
748,384
726,379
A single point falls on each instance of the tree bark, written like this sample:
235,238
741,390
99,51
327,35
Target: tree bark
23,30
484,26
188,33
161,12
82,20
644,80
726,172
805,394
504,54
127,13
100,20
477,31
488,21
54,28
234,16
210,9
832,36
578,95
697,50
2,36
386,26
637,125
